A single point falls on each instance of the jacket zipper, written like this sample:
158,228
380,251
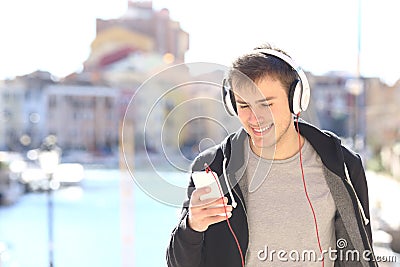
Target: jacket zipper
234,204
247,221
229,185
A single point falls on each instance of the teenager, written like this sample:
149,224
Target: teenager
289,187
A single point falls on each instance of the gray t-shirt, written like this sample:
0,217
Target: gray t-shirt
279,215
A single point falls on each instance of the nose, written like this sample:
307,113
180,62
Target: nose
255,117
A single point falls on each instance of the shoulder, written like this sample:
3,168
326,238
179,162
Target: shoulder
330,149
350,157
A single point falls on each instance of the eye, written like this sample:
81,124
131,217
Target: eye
243,106
267,104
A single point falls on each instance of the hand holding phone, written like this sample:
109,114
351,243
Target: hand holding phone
199,215
203,179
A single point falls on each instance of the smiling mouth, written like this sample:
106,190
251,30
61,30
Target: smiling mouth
263,130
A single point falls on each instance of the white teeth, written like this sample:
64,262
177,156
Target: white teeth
262,129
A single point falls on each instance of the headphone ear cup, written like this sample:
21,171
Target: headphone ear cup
305,98
232,103
228,98
295,97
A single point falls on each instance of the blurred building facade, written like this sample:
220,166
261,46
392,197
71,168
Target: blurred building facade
383,124
332,102
83,117
86,110
23,110
382,113
34,106
86,116
363,111
142,30
127,52
123,82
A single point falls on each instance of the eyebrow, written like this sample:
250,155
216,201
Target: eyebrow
257,101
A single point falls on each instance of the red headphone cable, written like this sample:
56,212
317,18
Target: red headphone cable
305,189
208,169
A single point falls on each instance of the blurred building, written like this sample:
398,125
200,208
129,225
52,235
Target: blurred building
126,52
22,110
332,101
84,110
142,30
124,82
12,95
148,30
361,111
382,113
34,106
83,117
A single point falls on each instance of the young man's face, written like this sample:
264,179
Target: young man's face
265,114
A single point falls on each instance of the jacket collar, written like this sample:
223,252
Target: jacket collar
327,145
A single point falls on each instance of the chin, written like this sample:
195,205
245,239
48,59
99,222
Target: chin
263,143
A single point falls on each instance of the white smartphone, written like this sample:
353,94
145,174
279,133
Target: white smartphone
202,179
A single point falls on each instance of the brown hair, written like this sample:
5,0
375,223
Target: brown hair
257,65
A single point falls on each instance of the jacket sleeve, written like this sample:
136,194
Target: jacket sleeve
186,245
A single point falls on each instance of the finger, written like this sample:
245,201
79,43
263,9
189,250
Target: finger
197,193
200,191
199,214
214,211
216,219
209,202
210,211
215,201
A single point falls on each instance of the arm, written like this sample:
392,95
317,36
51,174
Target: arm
186,244
185,247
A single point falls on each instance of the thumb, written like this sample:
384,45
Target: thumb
197,193
201,191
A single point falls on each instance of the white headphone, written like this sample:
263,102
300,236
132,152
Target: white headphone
299,91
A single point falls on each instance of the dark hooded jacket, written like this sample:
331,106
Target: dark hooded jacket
216,246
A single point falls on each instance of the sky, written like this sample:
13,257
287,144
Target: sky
320,35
